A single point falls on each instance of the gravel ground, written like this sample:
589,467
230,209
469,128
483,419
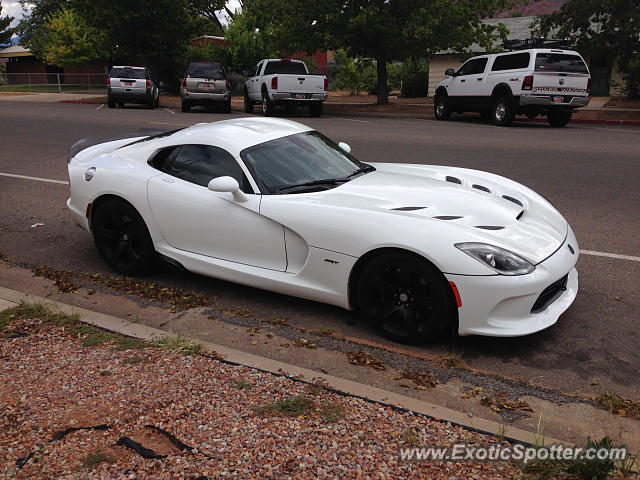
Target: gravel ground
51,381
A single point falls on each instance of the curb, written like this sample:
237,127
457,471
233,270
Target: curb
337,384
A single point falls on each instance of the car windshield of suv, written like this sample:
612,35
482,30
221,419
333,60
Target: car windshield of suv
135,73
293,68
560,62
206,70
300,163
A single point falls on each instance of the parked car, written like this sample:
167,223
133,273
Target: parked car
274,204
530,82
284,82
132,85
205,84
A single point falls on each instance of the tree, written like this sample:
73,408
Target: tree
251,37
68,40
5,31
31,27
603,30
354,74
209,8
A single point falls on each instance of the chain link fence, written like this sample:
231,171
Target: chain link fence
53,82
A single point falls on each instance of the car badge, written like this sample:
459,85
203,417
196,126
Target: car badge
571,249
562,81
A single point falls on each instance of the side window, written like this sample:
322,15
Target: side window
258,69
162,159
480,65
511,62
465,69
200,164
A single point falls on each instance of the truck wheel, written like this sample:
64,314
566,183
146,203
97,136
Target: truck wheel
315,109
186,107
248,104
558,118
267,105
441,109
502,112
111,102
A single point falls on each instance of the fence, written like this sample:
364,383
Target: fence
52,82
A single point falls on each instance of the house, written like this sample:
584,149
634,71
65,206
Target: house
605,78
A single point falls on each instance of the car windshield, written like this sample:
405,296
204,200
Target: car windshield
136,73
284,67
560,62
206,70
301,163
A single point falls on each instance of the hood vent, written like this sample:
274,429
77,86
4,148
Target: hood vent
453,179
407,209
481,187
514,200
447,217
490,227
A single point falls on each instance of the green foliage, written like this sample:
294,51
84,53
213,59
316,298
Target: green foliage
251,38
211,53
5,31
604,30
288,407
68,40
414,78
353,74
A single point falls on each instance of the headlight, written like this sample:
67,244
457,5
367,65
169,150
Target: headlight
502,261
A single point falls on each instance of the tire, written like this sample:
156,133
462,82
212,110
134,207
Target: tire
315,109
405,298
111,102
227,107
267,105
248,104
559,118
441,108
151,103
156,102
122,238
186,107
502,113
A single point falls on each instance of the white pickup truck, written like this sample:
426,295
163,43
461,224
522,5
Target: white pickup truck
284,82
528,82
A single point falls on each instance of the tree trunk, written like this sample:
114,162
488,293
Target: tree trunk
383,96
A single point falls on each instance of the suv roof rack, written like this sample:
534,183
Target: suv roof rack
536,43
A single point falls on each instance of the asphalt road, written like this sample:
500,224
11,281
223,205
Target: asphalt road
590,173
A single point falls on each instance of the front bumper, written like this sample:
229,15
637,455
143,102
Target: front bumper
545,100
204,98
500,306
291,97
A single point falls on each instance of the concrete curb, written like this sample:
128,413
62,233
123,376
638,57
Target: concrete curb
348,387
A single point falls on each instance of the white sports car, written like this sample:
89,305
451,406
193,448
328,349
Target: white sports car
276,205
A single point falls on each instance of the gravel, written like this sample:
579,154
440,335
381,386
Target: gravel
50,382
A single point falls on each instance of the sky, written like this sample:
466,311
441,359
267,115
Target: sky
12,9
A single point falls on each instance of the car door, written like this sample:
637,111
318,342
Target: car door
475,81
254,84
193,218
457,90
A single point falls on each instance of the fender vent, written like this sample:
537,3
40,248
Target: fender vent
481,187
407,209
447,217
514,200
490,227
453,179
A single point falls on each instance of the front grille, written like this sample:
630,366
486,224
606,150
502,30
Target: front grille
550,294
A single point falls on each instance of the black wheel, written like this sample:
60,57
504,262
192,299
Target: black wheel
559,118
227,106
122,238
248,104
406,298
441,108
267,105
111,102
289,108
151,103
315,109
156,102
186,107
502,112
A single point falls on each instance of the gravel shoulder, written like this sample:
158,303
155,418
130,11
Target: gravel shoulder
200,417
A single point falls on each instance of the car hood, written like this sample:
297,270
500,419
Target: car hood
482,207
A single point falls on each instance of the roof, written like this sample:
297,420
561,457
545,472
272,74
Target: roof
15,51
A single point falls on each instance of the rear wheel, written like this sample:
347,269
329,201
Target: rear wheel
185,106
315,109
405,298
267,105
441,109
248,104
156,102
122,237
227,106
558,118
111,102
502,112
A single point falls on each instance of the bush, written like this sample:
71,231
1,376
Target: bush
415,78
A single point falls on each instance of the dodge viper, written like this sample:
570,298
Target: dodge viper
274,204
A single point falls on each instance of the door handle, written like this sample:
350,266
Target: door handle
167,179
479,79
462,81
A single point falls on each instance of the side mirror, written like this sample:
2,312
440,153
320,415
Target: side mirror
161,84
227,185
450,72
345,147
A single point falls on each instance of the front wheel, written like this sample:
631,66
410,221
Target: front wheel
441,109
315,109
558,118
122,237
405,298
502,112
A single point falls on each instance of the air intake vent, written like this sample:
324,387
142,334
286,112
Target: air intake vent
481,187
407,209
520,215
447,217
453,179
514,200
490,227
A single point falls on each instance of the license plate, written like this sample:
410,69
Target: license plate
558,99
300,95
204,85
128,84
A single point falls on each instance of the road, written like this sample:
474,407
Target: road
590,173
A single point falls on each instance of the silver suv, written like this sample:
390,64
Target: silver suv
131,85
205,84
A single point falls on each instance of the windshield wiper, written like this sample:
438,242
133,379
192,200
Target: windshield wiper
326,181
366,169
